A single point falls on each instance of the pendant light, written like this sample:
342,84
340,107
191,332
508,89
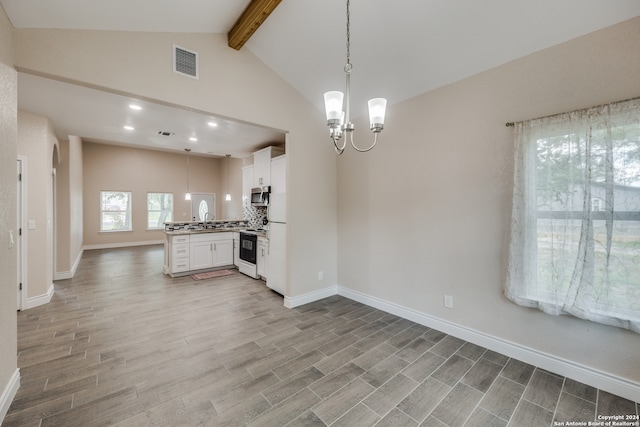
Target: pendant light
187,196
339,120
228,196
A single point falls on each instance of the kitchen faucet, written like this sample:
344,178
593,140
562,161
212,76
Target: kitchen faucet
209,214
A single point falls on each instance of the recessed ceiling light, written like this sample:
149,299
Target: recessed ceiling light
212,124
129,127
135,107
193,139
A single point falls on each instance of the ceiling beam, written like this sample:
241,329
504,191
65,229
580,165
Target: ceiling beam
250,20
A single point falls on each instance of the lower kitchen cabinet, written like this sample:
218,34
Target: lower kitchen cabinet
176,254
236,249
223,252
197,251
261,262
200,255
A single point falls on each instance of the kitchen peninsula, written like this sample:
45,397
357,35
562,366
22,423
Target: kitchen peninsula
198,246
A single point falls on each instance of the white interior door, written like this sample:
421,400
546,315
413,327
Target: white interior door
201,203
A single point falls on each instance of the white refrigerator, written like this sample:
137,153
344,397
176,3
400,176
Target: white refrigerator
277,234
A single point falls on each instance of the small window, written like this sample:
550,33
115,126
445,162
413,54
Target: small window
596,205
159,210
115,211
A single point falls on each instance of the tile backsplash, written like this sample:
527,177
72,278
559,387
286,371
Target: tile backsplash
202,225
254,215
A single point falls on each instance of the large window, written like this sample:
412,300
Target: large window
159,209
575,237
115,211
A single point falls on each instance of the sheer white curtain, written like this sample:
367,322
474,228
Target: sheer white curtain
575,232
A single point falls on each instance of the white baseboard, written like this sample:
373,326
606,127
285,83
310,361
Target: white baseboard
39,300
602,380
62,275
310,297
122,245
9,393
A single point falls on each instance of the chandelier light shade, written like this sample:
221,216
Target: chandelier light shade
377,110
333,105
338,119
187,195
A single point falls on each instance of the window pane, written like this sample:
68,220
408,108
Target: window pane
115,211
588,202
159,209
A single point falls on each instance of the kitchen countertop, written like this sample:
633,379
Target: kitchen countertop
204,230
259,233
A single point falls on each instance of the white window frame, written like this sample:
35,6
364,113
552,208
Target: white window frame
128,212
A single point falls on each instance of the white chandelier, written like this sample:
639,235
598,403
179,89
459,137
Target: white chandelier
339,120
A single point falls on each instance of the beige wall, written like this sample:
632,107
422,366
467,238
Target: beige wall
9,379
6,39
427,213
232,84
115,168
76,220
69,219
8,180
233,208
63,211
37,144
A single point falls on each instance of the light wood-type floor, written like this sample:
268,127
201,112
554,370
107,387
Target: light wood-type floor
121,344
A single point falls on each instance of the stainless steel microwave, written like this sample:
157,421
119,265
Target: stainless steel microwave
260,196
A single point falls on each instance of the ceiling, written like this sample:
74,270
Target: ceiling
399,49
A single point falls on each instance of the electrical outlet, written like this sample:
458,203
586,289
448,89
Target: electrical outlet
320,275
448,301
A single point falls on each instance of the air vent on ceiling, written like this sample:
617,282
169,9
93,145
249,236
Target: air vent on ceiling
185,62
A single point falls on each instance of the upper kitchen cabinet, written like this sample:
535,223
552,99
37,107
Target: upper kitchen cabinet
279,174
262,165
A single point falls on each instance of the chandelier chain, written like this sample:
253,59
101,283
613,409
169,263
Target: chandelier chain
348,66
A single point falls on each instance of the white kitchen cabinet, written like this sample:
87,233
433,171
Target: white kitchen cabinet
247,184
223,252
262,165
236,249
200,255
262,256
209,250
279,174
176,254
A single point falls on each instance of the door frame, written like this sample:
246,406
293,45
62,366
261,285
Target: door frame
21,249
54,220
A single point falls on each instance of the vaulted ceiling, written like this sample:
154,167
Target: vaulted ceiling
399,49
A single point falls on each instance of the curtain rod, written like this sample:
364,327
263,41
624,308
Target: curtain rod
512,124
